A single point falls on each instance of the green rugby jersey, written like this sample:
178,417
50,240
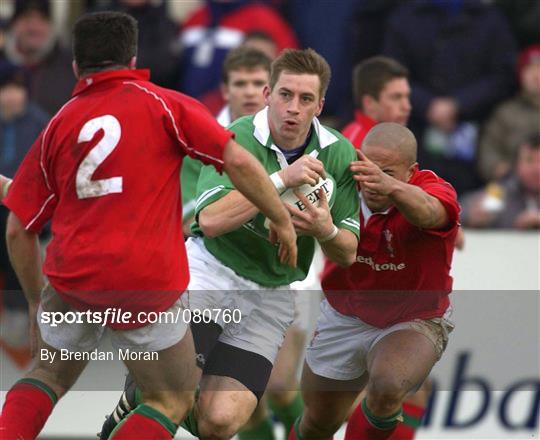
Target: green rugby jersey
191,169
189,176
247,250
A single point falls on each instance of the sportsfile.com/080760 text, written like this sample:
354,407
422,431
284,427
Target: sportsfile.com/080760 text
114,316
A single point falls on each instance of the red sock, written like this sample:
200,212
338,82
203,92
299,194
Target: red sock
359,427
28,405
294,430
144,423
412,419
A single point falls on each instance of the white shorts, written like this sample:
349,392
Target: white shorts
266,312
308,292
87,336
341,343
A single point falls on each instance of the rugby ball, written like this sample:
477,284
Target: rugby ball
311,193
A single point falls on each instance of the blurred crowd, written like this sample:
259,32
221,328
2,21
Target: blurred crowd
473,68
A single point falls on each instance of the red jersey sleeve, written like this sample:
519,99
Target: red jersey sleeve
201,137
446,194
31,197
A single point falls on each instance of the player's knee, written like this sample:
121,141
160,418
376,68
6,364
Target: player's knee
219,424
385,394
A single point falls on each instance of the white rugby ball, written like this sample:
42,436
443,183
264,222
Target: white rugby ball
311,193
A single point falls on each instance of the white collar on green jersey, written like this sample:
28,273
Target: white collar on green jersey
224,117
262,130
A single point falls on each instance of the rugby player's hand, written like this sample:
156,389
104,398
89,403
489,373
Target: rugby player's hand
285,235
4,184
370,176
304,170
315,221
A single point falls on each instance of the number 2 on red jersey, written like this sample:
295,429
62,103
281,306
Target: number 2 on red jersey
86,187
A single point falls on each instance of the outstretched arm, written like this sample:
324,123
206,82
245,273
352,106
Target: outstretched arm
25,257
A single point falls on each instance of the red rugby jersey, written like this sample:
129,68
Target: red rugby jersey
401,271
105,172
357,129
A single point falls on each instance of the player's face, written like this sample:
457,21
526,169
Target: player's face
292,105
390,162
244,91
394,103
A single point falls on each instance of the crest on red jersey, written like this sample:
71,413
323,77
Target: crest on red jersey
388,236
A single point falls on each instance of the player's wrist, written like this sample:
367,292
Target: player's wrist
329,235
395,188
278,182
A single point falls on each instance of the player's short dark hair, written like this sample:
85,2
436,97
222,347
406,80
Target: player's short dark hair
305,61
259,35
244,58
103,40
372,74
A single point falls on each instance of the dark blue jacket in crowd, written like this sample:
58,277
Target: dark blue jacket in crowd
330,29
17,136
458,48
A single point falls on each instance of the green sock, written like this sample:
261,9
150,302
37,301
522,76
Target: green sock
43,387
381,422
263,431
288,414
153,414
297,428
190,424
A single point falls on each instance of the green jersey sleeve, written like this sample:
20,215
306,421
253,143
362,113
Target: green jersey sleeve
345,210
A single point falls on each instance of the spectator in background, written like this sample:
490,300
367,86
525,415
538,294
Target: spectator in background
215,28
460,56
513,202
21,121
158,49
512,119
31,43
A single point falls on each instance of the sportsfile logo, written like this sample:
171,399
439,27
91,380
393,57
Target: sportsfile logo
313,196
380,267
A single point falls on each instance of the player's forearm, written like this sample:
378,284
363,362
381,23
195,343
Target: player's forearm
250,178
418,207
226,214
25,257
342,248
